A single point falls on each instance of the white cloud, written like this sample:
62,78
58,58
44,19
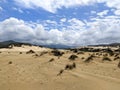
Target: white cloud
104,30
63,20
18,9
101,14
93,12
113,4
1,9
117,12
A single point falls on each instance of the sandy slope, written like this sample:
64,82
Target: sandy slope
28,72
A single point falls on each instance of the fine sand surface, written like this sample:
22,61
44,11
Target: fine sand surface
21,71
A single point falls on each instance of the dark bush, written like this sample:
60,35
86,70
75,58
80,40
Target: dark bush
20,53
42,53
74,65
51,60
10,62
116,55
118,50
60,72
109,51
80,53
82,58
30,52
73,57
36,55
116,58
70,66
105,55
57,53
90,58
67,67
106,59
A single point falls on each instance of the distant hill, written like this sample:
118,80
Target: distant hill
104,45
59,46
6,44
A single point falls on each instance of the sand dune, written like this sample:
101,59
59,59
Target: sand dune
21,71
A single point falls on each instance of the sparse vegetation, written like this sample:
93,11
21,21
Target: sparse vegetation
118,50
74,65
90,58
82,58
116,55
70,66
20,53
80,53
116,58
42,53
30,52
57,53
106,59
36,55
51,60
119,64
105,54
109,51
73,57
60,72
10,62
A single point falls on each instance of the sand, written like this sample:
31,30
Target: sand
30,72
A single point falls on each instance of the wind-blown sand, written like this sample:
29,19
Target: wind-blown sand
30,72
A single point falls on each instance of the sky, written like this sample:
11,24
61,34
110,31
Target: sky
60,22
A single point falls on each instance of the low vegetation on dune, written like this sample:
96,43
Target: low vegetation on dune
117,58
119,64
57,52
89,59
70,66
10,62
30,52
51,60
60,72
20,52
82,58
106,59
42,53
73,57
67,67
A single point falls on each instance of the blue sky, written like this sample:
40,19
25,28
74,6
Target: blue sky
64,22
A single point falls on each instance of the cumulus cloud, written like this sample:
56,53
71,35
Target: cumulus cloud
98,31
